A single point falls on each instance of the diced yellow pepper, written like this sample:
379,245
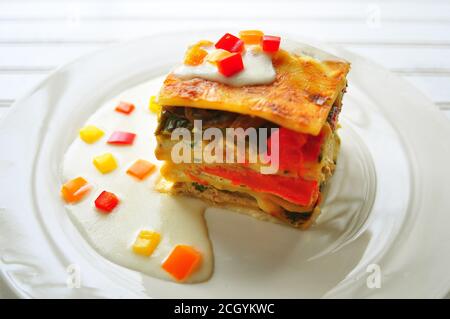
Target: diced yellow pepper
153,106
91,134
217,55
146,242
105,163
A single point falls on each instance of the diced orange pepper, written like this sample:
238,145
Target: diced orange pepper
204,43
182,261
125,107
217,55
75,189
195,56
141,169
251,36
146,242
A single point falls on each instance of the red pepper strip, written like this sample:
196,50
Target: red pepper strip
270,43
230,43
123,138
231,64
293,189
106,202
290,149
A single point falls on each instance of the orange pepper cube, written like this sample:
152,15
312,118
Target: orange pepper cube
146,242
75,189
195,56
105,163
251,36
90,134
141,168
182,261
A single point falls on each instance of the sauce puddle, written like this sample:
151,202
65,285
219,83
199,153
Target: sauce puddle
179,220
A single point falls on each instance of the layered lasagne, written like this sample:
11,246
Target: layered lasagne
299,109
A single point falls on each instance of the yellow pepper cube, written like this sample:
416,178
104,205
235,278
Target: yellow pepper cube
146,242
91,134
153,106
105,163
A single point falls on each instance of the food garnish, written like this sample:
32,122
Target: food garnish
125,108
146,242
90,134
270,43
106,202
251,36
182,261
230,65
75,189
121,138
230,43
153,106
141,169
105,163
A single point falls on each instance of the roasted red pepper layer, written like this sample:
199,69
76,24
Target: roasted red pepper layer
296,148
293,189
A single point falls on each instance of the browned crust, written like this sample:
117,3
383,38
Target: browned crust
299,99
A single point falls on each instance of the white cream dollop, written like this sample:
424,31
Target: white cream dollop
258,69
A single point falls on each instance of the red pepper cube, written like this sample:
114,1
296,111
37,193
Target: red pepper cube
231,64
270,43
106,202
230,43
125,108
122,138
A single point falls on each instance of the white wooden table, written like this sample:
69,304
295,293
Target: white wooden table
409,37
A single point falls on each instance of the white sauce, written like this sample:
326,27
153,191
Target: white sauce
258,69
178,220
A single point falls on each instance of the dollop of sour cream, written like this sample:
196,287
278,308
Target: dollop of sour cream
258,69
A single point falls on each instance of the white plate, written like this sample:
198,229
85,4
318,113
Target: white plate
388,205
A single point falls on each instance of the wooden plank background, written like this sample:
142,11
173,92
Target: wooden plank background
409,37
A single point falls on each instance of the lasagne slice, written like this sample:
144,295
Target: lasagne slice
300,108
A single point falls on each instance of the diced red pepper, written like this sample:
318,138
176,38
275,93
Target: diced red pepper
230,43
293,189
106,202
123,138
270,43
125,107
230,65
